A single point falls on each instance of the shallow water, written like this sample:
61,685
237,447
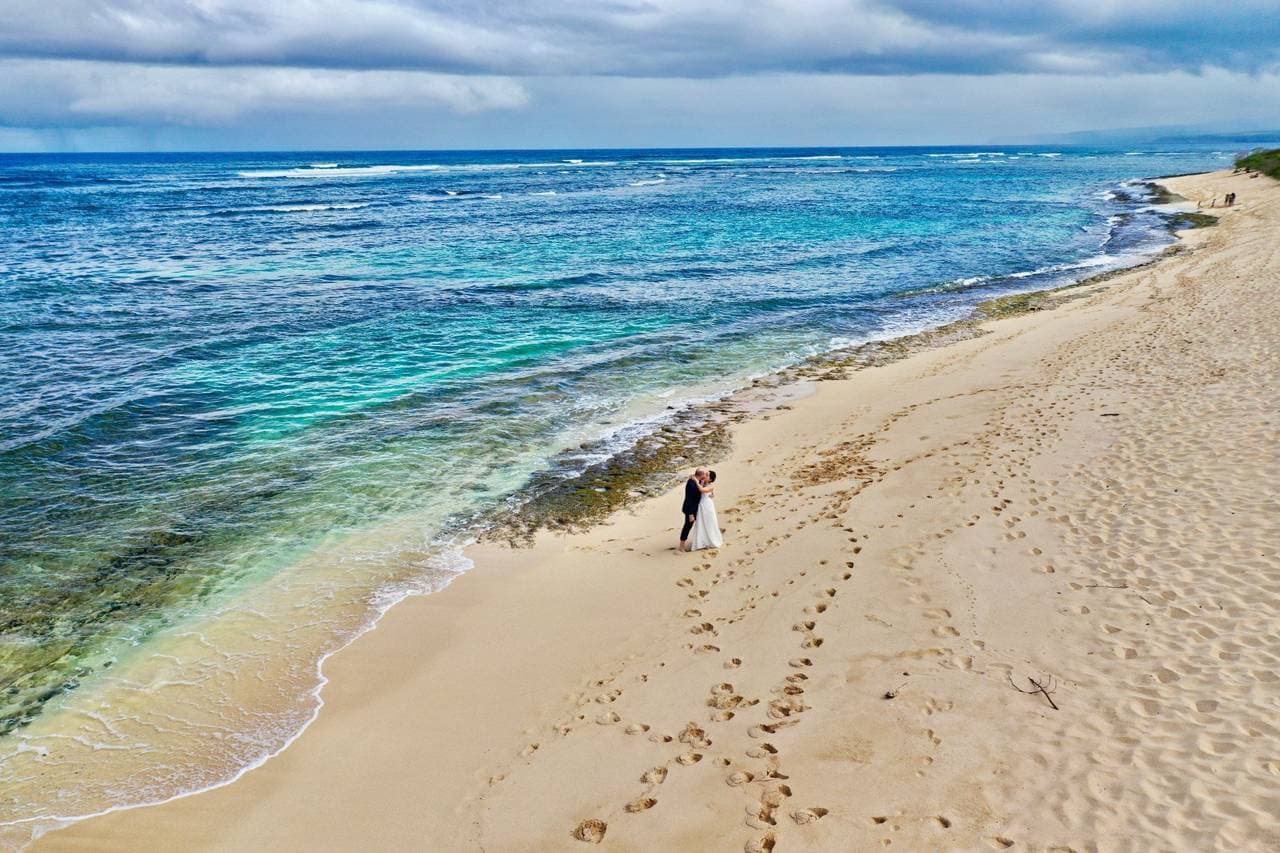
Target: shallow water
248,399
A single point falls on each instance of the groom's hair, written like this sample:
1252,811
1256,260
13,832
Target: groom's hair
711,475
698,471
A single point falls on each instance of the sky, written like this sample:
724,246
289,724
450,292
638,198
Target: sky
137,75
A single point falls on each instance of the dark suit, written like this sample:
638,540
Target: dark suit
692,497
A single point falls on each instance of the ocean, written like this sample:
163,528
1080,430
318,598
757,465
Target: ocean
250,400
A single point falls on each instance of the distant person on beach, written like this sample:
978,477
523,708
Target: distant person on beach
706,527
689,509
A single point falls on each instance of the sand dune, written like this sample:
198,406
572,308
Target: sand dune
1087,497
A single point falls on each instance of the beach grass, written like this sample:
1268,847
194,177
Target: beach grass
1266,161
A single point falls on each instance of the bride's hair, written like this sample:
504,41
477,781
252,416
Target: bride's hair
711,475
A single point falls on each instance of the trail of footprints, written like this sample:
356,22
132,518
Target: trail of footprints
771,797
1024,422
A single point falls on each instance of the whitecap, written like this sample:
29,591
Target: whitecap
338,172
294,208
561,164
700,160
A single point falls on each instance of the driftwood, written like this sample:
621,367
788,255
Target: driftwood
893,694
1044,686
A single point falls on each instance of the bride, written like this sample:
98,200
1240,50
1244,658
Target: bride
706,529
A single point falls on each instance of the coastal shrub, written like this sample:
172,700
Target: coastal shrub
1266,161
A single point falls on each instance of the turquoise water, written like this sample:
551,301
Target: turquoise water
213,365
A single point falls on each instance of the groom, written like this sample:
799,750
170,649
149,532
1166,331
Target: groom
692,497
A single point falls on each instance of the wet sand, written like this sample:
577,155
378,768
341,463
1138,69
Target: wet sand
1085,496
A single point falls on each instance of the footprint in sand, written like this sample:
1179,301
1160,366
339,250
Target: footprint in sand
766,729
591,831
809,815
695,736
723,697
654,776
771,799
641,804
782,708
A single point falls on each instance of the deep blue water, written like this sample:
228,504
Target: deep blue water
210,364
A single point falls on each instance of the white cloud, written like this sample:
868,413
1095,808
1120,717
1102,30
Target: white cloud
62,92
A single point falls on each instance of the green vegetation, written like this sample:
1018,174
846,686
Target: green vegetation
1160,194
1266,161
1187,221
653,464
1018,303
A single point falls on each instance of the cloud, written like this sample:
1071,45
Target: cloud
234,73
38,93
657,38
769,110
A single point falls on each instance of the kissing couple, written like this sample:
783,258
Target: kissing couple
699,511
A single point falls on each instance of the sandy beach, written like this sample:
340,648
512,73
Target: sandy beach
1085,496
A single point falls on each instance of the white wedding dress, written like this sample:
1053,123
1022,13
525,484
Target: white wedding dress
706,530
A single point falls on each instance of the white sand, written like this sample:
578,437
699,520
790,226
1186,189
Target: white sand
1088,494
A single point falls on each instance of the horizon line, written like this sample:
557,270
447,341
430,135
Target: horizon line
1223,138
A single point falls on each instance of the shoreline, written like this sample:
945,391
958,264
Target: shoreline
705,420
709,422
704,426
507,563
